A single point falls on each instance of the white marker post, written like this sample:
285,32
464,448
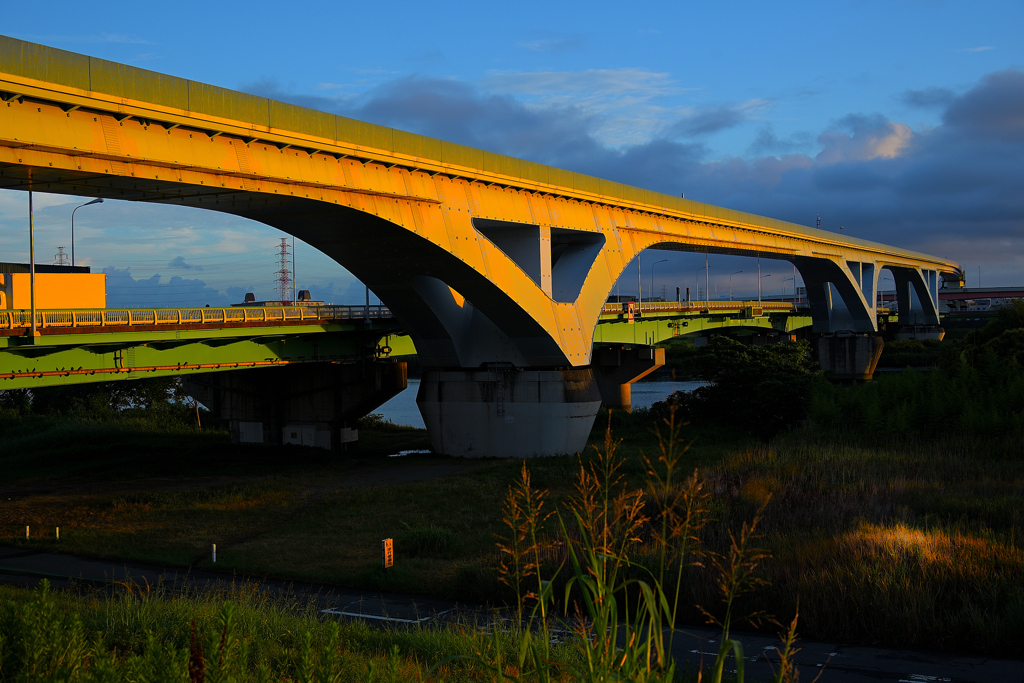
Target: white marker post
214,553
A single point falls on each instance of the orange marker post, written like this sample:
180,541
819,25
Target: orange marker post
387,553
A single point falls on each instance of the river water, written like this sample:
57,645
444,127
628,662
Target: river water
402,409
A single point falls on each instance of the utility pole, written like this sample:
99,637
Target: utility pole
284,275
32,265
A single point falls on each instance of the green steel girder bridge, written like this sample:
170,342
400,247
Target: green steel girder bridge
304,374
651,322
79,346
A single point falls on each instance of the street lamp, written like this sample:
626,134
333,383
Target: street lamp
95,201
881,292
730,282
759,287
651,291
794,287
696,281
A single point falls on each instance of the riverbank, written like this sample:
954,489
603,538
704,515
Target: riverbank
913,542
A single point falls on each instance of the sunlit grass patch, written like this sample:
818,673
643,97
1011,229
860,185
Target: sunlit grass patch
936,587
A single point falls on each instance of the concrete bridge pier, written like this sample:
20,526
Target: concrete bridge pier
315,404
849,356
500,411
617,367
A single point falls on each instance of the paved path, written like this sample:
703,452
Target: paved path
842,663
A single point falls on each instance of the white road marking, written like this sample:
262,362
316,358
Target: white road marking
397,620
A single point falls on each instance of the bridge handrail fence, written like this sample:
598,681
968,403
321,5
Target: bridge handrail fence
130,317
695,306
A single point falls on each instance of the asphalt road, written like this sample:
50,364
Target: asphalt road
832,662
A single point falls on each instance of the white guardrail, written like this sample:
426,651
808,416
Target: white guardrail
131,317
695,306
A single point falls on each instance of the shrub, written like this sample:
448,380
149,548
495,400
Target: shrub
759,390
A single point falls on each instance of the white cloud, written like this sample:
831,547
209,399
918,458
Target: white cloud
553,44
865,140
628,103
589,83
118,38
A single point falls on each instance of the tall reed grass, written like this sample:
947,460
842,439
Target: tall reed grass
626,552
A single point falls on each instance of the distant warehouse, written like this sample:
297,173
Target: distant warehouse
56,287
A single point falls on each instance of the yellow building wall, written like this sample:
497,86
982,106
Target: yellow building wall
55,290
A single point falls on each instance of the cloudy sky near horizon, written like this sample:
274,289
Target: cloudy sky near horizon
899,121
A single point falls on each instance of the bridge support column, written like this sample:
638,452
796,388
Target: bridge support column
508,412
307,405
616,368
849,356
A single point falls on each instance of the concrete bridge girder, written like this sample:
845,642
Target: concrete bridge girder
484,267
855,285
852,282
540,252
916,286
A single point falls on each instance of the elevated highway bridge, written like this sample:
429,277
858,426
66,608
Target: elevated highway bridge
338,355
497,267
97,345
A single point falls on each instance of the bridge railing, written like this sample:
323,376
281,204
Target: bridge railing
131,317
695,306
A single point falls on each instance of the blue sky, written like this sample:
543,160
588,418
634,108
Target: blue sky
902,122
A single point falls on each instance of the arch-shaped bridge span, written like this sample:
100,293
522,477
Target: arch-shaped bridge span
498,267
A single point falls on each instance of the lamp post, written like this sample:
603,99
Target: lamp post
639,287
95,201
650,292
881,292
794,287
730,282
32,265
759,287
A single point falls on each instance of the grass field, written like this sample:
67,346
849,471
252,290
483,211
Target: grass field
237,634
914,542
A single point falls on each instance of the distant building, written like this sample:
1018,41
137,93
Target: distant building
302,299
56,287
